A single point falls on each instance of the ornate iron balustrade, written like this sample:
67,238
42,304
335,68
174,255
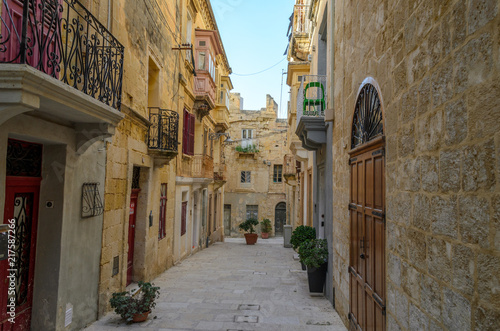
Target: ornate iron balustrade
64,40
301,23
163,132
312,96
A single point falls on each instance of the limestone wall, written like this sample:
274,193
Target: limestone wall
437,66
270,133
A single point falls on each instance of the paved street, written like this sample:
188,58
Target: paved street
232,286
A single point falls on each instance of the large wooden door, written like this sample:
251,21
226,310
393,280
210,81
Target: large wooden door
131,234
17,272
367,248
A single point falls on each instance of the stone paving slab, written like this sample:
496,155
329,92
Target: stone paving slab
233,286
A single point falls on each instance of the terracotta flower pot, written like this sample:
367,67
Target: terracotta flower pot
141,317
251,238
264,235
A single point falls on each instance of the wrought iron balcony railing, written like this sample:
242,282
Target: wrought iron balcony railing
203,166
64,40
301,23
312,96
163,132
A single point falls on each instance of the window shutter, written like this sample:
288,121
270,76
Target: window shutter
185,131
191,136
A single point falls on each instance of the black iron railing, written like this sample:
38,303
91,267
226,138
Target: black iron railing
163,130
64,40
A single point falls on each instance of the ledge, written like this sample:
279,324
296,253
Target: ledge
312,132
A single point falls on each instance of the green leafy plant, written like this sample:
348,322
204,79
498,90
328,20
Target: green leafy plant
248,225
313,252
265,226
248,149
301,234
130,303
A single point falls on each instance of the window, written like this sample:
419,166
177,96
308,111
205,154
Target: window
245,176
247,134
162,232
183,217
278,171
253,211
188,133
201,61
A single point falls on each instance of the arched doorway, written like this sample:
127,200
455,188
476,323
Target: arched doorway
366,209
279,218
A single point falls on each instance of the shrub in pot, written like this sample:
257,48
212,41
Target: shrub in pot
265,228
247,226
135,305
314,254
301,234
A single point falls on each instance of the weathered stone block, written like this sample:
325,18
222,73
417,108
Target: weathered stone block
456,311
474,220
407,141
430,294
488,280
463,269
402,312
480,13
392,325
394,269
430,170
473,63
421,212
435,46
478,167
483,104
417,253
408,176
486,319
430,131
400,79
456,122
449,170
409,102
439,258
418,320
444,216
496,220
424,95
442,84
418,64
401,208
410,281
458,19
396,238
410,33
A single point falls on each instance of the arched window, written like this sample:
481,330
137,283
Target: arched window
367,122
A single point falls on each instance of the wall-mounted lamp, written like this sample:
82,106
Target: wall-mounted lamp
217,135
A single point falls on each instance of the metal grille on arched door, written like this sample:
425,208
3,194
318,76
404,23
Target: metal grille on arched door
367,122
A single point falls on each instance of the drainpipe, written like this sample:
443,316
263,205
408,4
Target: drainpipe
109,15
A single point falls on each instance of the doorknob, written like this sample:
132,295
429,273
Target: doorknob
362,256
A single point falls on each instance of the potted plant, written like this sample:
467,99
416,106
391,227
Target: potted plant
300,234
314,254
135,305
265,228
250,235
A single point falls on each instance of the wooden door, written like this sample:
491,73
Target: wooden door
17,272
367,247
131,234
279,218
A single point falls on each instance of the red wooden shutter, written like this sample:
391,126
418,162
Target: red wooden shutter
185,130
191,136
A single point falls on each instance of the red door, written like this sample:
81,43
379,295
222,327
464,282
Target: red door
17,272
131,234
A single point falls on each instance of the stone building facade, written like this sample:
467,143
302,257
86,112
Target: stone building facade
163,195
425,255
255,183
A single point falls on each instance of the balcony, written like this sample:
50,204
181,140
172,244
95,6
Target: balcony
204,92
290,170
301,33
163,134
203,166
311,106
220,177
248,147
221,118
56,58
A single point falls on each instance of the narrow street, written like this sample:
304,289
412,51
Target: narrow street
232,286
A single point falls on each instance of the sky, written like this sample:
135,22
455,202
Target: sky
254,36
